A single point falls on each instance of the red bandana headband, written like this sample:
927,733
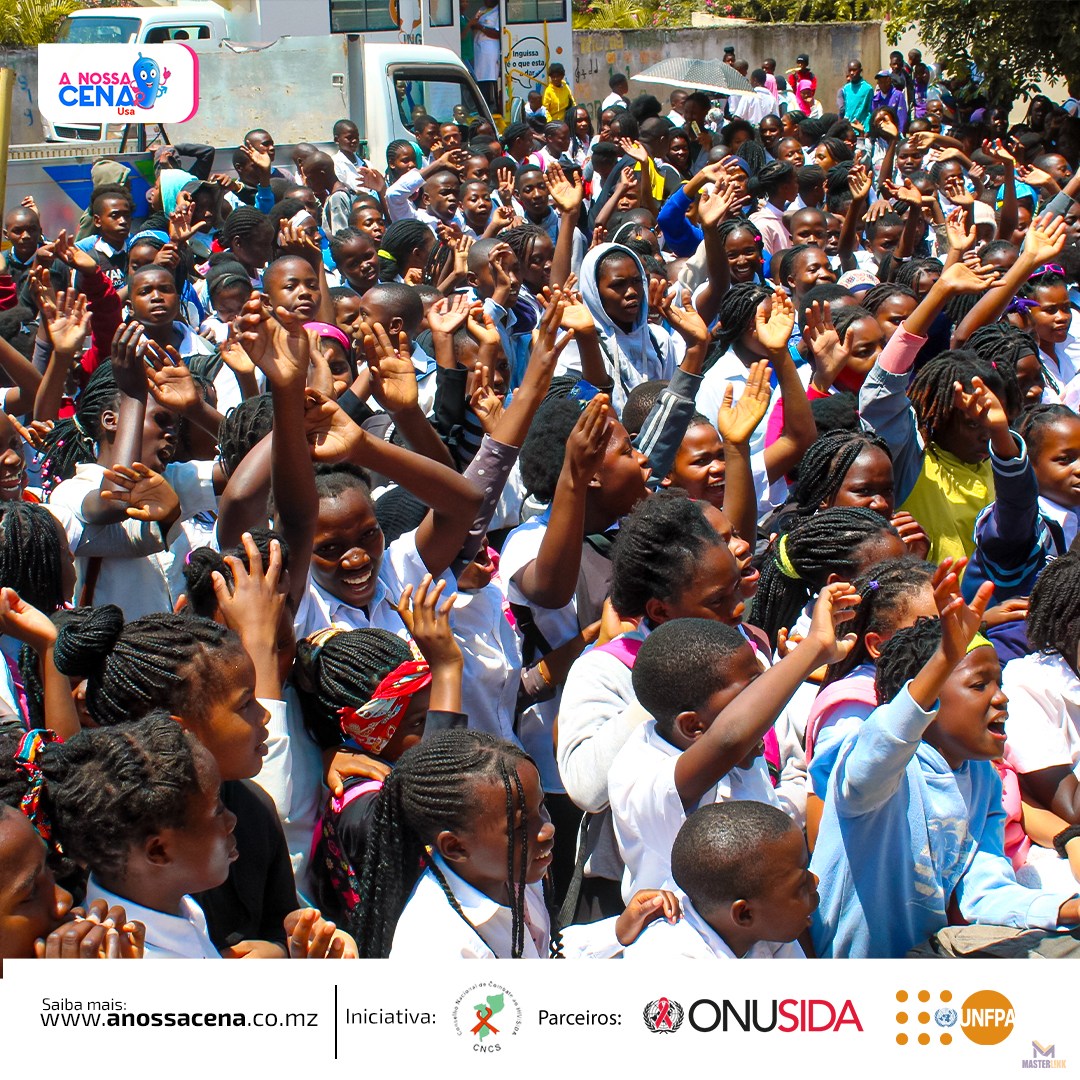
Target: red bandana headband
373,725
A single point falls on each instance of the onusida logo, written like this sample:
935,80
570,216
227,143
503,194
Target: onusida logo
113,83
787,1015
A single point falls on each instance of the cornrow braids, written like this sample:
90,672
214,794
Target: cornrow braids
432,789
931,391
886,590
904,655
737,224
108,790
873,298
736,315
30,554
522,239
1002,343
158,661
339,239
1035,422
343,671
1046,280
243,221
1053,622
438,262
800,562
826,463
74,441
656,549
204,562
242,429
399,240
909,272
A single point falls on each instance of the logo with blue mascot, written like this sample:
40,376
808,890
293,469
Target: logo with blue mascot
149,81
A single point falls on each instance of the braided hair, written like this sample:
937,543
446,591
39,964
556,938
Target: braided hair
826,463
343,671
432,789
1004,346
800,562
399,241
204,562
740,224
1035,422
108,789
770,179
909,272
30,554
736,316
904,655
886,591
74,441
931,391
243,221
158,661
243,427
1053,622
657,547
522,239
873,298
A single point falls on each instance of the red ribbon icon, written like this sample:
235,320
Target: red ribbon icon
484,1022
662,1017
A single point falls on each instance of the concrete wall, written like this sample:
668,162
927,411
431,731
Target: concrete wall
598,54
25,118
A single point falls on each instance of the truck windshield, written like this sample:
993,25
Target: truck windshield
106,30
443,95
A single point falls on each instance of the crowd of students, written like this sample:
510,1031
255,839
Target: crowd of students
650,541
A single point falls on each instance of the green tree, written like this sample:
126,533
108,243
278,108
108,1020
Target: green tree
26,23
1010,42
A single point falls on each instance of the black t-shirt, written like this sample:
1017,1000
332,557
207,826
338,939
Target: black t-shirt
260,891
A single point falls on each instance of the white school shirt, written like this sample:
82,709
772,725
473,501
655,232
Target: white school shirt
138,572
348,172
430,930
292,775
558,625
492,661
692,938
168,937
1043,728
730,370
647,809
401,565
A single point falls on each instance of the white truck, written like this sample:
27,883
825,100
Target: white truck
295,87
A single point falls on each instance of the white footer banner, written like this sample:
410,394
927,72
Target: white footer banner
880,1018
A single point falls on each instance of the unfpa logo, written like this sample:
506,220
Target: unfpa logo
986,1018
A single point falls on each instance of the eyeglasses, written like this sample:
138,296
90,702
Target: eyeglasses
1049,268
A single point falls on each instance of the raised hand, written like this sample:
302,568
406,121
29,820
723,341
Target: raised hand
331,434
128,348
505,180
481,327
1045,239
281,354
482,399
632,148
294,240
588,440
260,159
957,193
372,179
1036,177
64,249
448,314
149,496
253,606
887,128
24,622
921,140
997,150
774,329
393,377
67,320
428,621
960,622
684,317
169,380
962,278
736,423
180,228
860,182
961,238
835,605
912,533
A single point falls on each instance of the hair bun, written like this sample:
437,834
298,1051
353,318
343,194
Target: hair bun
86,639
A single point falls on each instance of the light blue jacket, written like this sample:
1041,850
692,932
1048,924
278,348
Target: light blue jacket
902,834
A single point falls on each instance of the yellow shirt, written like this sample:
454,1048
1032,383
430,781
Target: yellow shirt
946,500
557,99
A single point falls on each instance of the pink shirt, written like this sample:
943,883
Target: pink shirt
770,223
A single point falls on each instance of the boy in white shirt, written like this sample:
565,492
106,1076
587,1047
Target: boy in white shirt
712,706
745,888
